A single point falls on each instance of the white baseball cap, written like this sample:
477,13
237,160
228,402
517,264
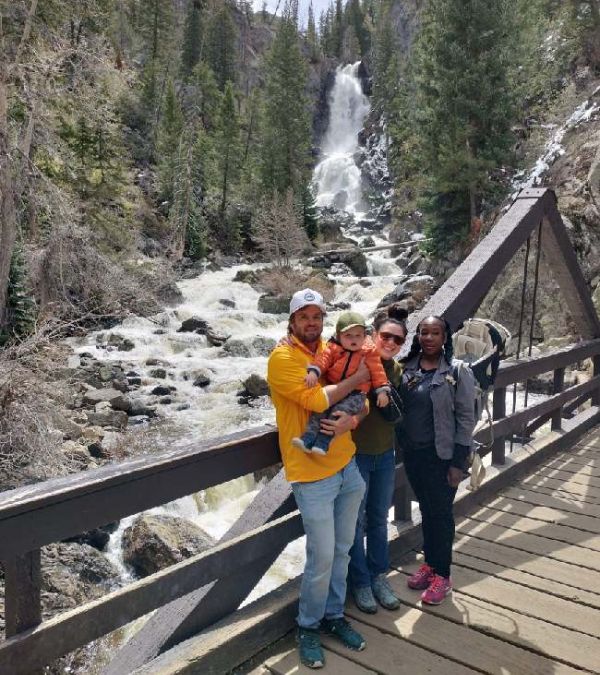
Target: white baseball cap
304,298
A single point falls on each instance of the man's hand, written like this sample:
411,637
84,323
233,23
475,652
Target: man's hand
342,423
312,379
382,399
455,475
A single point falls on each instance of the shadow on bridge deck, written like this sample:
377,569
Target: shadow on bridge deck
527,589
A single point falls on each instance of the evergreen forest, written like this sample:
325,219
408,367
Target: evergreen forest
139,137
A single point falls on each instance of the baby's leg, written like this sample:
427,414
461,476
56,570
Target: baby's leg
352,404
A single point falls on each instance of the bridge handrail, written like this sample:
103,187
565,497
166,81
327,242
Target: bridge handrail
40,514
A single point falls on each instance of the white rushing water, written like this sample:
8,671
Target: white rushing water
337,178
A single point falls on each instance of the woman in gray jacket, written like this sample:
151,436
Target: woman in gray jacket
435,435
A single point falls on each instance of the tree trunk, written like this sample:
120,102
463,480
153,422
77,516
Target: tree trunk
8,216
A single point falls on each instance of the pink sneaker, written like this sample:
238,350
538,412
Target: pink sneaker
438,589
421,578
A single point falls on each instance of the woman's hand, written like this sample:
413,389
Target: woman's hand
455,475
342,423
382,399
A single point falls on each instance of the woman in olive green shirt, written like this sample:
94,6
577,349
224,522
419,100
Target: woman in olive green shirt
374,439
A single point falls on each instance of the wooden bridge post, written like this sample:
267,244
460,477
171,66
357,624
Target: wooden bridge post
23,581
498,412
558,386
596,394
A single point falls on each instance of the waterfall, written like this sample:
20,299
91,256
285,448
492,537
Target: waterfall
337,178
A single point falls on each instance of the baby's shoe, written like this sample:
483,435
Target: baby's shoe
299,443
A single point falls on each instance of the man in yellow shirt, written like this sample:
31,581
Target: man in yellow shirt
328,488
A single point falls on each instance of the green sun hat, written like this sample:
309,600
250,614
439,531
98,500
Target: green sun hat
349,320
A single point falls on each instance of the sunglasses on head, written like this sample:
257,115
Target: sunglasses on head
398,339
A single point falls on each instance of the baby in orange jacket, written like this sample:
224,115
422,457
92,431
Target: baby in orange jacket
339,360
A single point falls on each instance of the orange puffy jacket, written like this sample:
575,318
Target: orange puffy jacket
337,363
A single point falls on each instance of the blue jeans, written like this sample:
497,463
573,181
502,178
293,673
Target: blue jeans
378,472
329,508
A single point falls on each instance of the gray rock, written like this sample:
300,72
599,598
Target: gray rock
420,287
246,277
73,574
274,304
215,338
139,409
227,303
121,384
249,347
356,261
201,380
94,396
122,403
158,373
96,538
109,418
157,362
161,390
194,325
256,386
123,344
155,542
169,294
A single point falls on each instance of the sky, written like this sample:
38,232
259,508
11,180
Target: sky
318,7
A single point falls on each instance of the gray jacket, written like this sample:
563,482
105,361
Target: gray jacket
453,404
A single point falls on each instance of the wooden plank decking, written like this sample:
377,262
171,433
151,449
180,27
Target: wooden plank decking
527,589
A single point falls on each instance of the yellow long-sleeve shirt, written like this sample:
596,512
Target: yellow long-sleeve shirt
294,402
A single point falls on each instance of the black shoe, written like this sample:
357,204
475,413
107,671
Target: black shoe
309,646
342,630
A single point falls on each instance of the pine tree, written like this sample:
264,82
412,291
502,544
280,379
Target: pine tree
311,36
228,146
465,107
186,215
310,218
221,46
192,37
169,133
155,22
355,19
337,33
286,128
21,307
205,96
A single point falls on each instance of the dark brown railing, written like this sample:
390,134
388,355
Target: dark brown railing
214,583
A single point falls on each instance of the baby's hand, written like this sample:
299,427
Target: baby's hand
382,399
311,379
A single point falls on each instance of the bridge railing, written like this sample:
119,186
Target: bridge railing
33,516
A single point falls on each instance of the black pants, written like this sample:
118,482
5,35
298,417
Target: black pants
428,477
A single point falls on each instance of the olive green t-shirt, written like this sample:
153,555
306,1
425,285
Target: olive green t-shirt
374,435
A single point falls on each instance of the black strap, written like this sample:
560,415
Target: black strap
343,377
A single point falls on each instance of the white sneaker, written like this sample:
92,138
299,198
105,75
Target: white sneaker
299,443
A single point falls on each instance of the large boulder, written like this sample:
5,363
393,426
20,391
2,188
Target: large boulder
73,574
356,261
274,304
108,418
249,347
194,325
154,542
94,396
420,287
255,386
